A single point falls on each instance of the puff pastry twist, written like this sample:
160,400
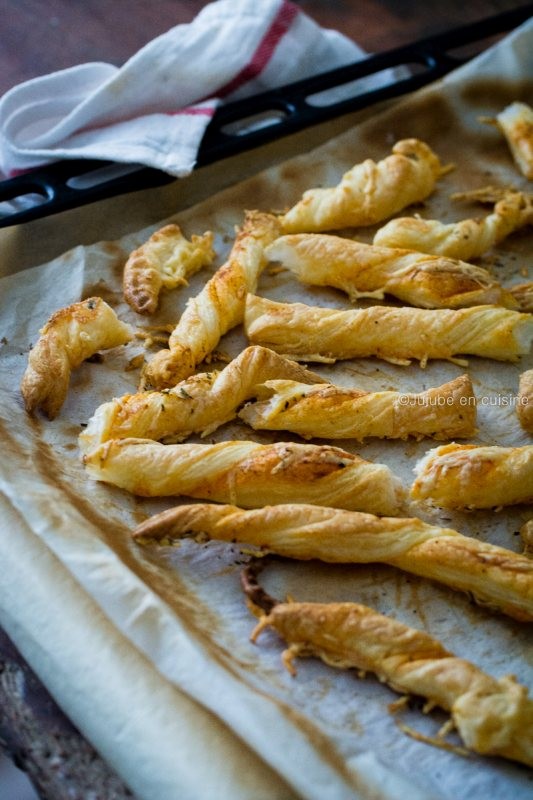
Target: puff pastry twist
334,412
494,576
313,333
516,124
468,238
474,476
525,401
70,336
526,535
217,308
370,191
364,270
199,404
492,716
523,294
247,473
166,260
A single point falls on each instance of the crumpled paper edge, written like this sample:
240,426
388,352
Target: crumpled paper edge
107,696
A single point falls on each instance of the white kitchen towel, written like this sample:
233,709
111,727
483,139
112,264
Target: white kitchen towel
154,109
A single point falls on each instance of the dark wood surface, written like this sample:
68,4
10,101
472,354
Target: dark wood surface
40,36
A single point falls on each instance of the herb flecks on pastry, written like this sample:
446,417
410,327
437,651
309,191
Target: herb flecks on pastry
217,308
334,412
199,404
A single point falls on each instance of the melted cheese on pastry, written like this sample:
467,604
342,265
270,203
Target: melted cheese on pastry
370,191
70,336
199,404
493,717
516,124
217,308
466,239
495,576
365,270
167,259
334,412
394,334
247,473
474,476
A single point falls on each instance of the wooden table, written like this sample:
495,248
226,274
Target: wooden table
40,36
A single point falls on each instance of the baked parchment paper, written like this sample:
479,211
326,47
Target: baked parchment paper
147,649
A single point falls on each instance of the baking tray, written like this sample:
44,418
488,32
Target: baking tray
255,121
129,600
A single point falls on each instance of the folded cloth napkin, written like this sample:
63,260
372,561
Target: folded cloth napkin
155,109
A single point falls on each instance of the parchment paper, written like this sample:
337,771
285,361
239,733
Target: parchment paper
171,623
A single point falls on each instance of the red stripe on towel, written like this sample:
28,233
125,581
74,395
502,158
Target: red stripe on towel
265,49
193,111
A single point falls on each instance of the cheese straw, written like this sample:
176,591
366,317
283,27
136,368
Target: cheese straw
492,717
494,576
399,335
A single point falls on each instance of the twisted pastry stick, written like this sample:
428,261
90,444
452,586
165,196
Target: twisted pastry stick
166,259
369,192
70,336
526,535
466,239
494,576
334,412
200,403
312,333
525,401
473,476
523,294
247,473
492,717
218,307
516,124
366,270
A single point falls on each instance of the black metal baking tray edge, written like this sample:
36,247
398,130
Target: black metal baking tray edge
245,124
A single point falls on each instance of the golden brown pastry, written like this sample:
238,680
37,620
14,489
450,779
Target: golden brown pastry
524,407
526,535
70,336
370,191
496,577
468,238
475,476
199,404
364,270
167,259
398,335
218,307
516,124
334,412
247,473
493,717
523,294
